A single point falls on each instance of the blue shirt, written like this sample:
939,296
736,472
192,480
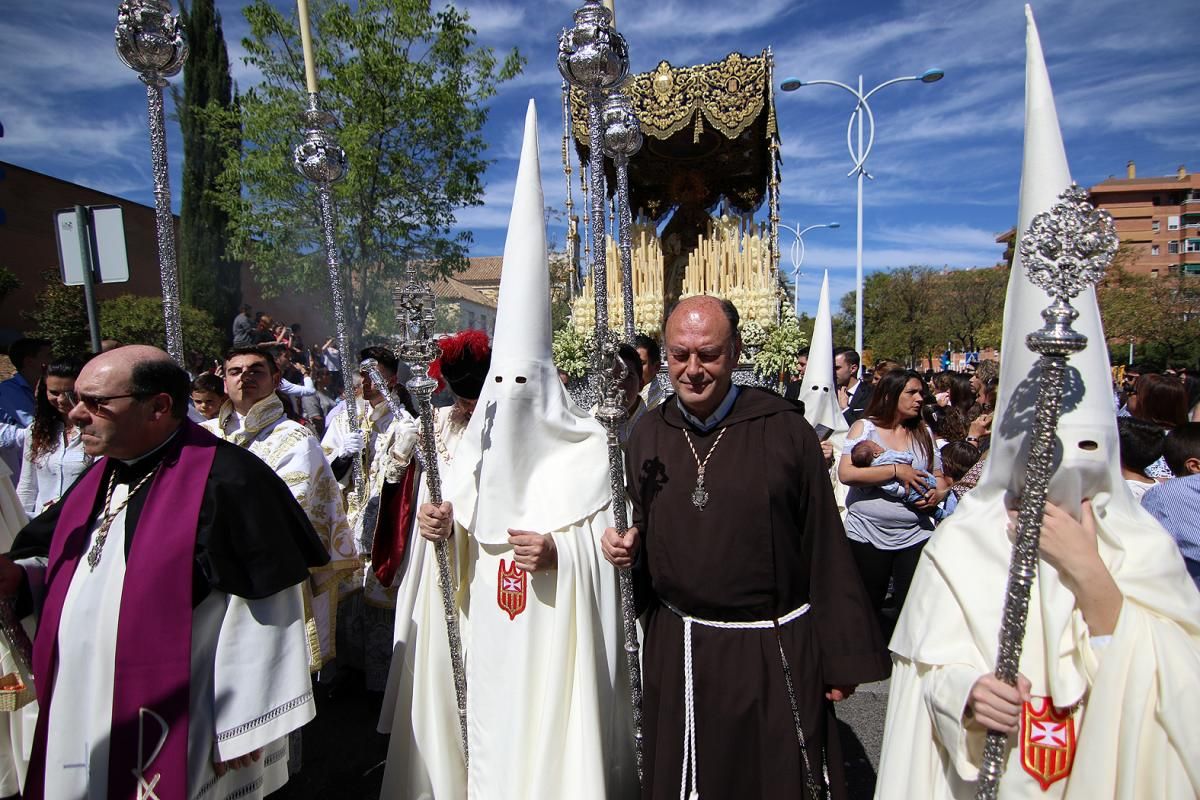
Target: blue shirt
16,413
1176,504
16,401
715,418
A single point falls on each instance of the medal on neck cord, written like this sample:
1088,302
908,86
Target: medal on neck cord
700,493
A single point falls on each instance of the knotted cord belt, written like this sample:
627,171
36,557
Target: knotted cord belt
689,700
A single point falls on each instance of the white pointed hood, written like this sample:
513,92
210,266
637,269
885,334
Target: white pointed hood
529,459
969,553
817,391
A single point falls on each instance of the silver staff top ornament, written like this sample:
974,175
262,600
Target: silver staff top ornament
150,40
592,55
1065,251
622,132
413,305
318,157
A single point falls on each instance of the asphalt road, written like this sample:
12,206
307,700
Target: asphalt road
343,755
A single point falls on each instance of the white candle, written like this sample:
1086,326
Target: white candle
310,66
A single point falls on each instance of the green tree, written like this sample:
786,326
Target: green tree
211,142
898,307
131,319
968,307
409,87
60,316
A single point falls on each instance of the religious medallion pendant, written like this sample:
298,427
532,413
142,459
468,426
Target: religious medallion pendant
700,494
93,556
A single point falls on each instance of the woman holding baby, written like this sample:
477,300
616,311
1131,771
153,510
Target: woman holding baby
896,485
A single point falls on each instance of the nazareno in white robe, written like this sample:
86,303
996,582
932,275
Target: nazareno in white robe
16,728
420,710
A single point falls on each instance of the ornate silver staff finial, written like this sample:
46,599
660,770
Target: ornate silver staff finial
151,42
592,56
1066,250
319,159
622,141
413,305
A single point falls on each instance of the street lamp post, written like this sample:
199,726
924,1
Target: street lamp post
859,155
798,257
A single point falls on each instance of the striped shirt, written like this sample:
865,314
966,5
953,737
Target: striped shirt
1176,504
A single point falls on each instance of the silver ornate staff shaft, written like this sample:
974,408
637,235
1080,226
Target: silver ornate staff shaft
414,311
622,140
611,414
319,159
593,57
150,41
1065,251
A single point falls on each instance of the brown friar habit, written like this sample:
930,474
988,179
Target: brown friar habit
768,541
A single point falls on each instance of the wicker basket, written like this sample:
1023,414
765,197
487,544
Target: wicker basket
15,693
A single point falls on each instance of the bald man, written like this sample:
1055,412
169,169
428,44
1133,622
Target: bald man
758,620
170,658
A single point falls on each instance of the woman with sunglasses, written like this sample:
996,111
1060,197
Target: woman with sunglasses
54,456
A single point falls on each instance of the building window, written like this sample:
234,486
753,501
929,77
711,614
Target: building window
1153,273
1192,246
1155,226
1173,248
1153,249
1173,223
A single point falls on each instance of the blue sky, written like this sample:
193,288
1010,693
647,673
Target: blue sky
947,156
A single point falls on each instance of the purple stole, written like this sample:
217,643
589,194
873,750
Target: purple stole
151,688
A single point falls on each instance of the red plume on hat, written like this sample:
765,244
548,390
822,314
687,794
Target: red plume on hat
464,362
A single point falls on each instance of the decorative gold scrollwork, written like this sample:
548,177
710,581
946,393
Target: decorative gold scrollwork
729,95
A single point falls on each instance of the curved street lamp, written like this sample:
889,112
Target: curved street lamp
797,254
859,154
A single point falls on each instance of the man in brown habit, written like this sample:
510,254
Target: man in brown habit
757,620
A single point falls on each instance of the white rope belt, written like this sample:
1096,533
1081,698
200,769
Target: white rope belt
689,699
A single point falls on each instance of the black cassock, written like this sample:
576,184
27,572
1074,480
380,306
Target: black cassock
768,541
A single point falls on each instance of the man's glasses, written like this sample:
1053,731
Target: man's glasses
94,403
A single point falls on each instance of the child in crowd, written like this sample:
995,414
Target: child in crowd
1141,445
208,394
1176,502
957,460
871,454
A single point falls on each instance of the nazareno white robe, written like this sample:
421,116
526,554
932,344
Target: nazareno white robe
547,695
16,728
1136,726
420,710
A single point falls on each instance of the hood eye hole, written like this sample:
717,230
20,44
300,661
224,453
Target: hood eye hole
520,379
825,389
1088,445
499,379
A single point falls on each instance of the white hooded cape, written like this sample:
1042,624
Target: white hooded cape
1135,726
818,393
547,699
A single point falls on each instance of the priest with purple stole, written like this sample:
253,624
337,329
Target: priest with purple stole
170,662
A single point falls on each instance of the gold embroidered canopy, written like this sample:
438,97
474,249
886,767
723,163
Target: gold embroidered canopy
710,134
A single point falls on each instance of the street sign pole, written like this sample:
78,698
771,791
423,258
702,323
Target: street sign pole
83,225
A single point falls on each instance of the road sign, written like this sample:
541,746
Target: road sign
107,236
